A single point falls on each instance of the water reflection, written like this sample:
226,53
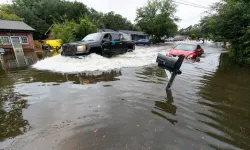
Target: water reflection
12,103
226,94
83,78
152,75
11,106
166,106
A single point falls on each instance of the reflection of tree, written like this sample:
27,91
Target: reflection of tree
166,106
226,94
45,77
152,75
104,76
11,115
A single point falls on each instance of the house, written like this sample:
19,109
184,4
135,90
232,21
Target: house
134,35
17,44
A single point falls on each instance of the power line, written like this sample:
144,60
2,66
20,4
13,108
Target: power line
191,5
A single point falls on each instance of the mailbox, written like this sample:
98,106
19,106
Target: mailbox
172,65
166,62
169,63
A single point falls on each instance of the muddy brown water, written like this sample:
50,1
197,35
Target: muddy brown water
207,108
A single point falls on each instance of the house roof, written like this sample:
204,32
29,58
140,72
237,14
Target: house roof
15,25
132,32
106,30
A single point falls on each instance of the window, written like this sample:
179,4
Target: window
5,40
186,47
24,40
115,36
92,37
107,36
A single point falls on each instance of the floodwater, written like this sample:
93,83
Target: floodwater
121,103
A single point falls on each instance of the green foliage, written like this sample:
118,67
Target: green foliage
227,21
7,14
70,31
231,23
43,13
65,31
157,18
114,21
84,28
194,32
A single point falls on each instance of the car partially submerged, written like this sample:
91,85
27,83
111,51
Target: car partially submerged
102,43
190,51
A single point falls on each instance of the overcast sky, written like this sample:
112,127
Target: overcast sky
189,15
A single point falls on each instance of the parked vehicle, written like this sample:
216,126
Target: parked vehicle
170,40
144,42
101,43
190,51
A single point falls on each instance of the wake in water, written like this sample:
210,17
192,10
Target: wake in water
93,62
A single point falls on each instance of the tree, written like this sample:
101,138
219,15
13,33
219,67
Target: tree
65,31
70,31
231,22
157,18
84,28
114,21
7,14
43,13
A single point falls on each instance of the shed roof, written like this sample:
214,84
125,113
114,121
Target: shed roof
133,32
15,25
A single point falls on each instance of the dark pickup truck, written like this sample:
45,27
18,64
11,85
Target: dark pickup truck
102,43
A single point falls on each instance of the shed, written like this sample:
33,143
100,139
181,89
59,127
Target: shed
17,41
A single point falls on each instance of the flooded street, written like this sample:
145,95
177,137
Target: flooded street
93,102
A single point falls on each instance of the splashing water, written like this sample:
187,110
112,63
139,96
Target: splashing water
93,62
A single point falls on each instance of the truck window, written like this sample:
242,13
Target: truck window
107,36
115,36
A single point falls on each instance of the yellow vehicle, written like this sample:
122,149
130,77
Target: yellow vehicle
54,44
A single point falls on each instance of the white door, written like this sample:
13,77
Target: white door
18,50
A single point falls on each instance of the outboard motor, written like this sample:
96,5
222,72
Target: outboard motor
45,47
172,65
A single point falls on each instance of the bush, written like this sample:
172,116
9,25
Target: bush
70,31
65,31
